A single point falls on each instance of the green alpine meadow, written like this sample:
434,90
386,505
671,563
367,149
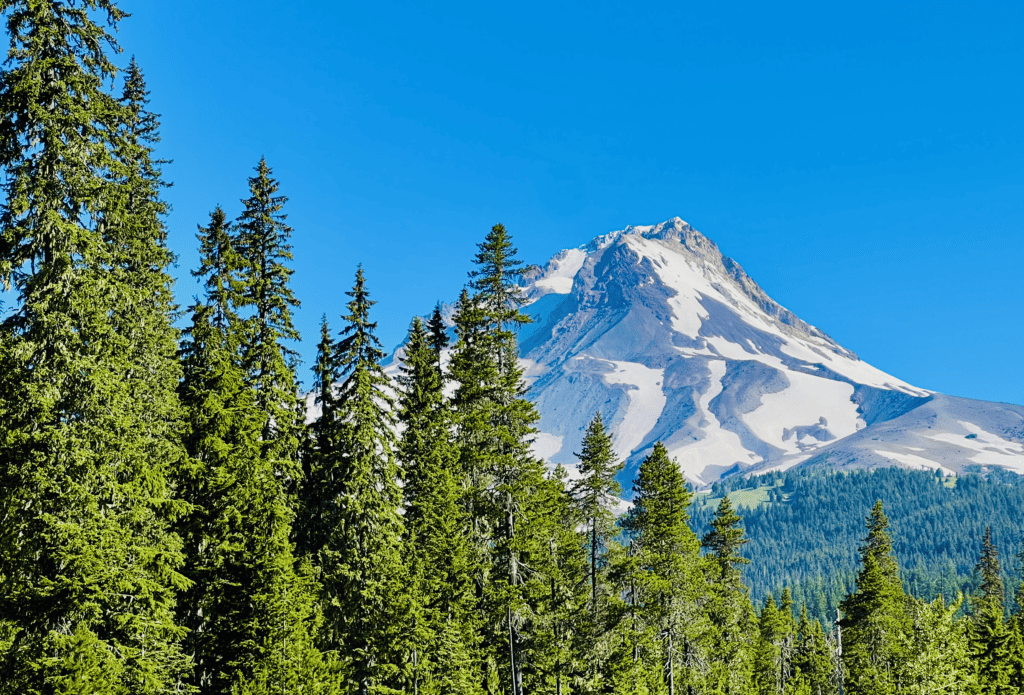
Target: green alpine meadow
178,516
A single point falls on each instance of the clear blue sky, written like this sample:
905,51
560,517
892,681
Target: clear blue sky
863,161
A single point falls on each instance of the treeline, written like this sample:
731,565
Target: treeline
805,535
175,519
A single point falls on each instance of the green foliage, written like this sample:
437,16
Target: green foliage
557,636
595,492
939,660
728,608
990,637
151,492
668,555
494,428
807,536
436,551
875,621
815,667
89,567
352,530
262,288
251,611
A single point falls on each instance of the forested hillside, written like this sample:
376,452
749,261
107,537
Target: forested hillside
804,530
174,520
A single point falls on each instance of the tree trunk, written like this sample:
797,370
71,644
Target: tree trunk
671,669
593,568
512,655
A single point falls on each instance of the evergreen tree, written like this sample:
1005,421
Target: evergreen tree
251,610
875,623
669,554
633,664
990,639
556,591
595,491
355,541
494,430
219,263
1016,627
728,607
262,243
768,651
438,333
812,659
437,552
939,655
89,569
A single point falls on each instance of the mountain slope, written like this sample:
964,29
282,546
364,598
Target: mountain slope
670,340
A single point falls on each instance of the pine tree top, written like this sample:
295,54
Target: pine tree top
877,544
438,333
661,502
323,370
990,588
496,279
262,242
357,353
597,466
359,344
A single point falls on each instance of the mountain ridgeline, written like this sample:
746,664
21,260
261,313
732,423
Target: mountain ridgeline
671,341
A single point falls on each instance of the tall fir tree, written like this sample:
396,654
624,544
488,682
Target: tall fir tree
672,576
596,491
990,638
251,611
875,622
89,568
355,540
768,651
728,608
262,242
495,426
436,542
557,593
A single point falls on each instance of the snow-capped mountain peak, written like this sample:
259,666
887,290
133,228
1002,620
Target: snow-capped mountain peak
670,340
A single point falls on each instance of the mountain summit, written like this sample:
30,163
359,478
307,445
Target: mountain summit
670,340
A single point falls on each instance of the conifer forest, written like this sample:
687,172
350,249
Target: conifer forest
177,517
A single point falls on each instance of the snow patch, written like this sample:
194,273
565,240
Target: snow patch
804,403
991,449
560,271
914,461
646,401
547,445
719,447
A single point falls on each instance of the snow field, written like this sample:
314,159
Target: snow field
560,272
914,461
807,399
719,447
990,449
646,401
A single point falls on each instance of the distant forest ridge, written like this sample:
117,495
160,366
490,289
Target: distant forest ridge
805,527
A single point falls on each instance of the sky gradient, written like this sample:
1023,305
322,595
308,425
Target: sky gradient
864,162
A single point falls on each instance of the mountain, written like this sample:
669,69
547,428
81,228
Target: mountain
671,340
